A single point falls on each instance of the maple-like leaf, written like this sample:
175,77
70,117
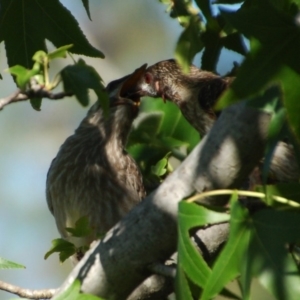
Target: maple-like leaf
25,25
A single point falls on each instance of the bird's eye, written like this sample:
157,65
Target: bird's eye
148,78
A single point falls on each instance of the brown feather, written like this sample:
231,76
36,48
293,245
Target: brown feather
92,174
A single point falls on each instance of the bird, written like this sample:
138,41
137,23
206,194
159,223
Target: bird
195,93
92,175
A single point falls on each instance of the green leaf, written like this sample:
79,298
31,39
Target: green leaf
73,293
79,78
88,297
160,129
290,191
205,7
252,76
148,154
59,52
87,8
182,288
270,22
39,57
170,142
25,25
188,45
289,80
172,121
269,101
213,46
192,215
65,249
170,115
6,264
82,228
22,75
278,42
227,265
160,168
269,258
234,42
180,133
146,127
36,103
177,8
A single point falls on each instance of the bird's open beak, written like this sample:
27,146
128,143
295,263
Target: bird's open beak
127,93
129,88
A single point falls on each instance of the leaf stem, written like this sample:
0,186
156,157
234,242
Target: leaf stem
46,62
242,193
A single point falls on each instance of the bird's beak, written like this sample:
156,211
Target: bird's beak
129,86
127,91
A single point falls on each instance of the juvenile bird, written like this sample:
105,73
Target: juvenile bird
92,174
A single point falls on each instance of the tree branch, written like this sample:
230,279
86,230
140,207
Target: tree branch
18,96
223,159
26,293
209,242
153,288
163,269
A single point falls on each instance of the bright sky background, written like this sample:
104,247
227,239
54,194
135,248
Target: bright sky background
130,33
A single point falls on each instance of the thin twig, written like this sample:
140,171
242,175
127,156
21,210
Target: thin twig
46,94
14,97
26,293
18,96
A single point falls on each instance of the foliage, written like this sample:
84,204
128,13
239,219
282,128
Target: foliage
80,77
77,79
66,249
158,134
6,264
24,26
73,293
63,247
262,244
251,250
257,246
203,31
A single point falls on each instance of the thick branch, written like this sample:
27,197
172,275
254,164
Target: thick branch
223,159
25,293
153,288
209,241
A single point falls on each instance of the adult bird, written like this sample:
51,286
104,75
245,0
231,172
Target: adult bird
195,93
92,175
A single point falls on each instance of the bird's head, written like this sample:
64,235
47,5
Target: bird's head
122,92
161,80
124,101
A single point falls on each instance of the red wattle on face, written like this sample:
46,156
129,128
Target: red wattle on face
148,78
